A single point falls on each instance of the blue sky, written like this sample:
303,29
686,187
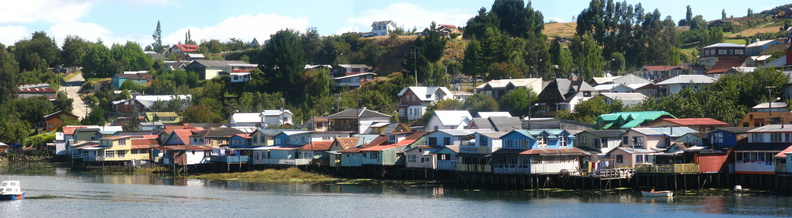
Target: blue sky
135,20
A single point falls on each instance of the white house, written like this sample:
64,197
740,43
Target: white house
382,28
262,119
413,100
448,119
676,84
757,156
498,88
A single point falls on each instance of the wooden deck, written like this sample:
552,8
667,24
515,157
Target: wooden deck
667,168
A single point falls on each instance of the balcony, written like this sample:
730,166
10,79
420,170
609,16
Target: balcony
667,168
476,168
446,164
511,168
289,162
230,159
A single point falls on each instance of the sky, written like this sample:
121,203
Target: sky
118,21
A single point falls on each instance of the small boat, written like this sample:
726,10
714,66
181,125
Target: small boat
657,193
10,190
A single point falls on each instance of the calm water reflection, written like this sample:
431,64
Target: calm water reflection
55,191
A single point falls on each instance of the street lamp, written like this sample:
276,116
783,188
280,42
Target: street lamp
529,114
770,103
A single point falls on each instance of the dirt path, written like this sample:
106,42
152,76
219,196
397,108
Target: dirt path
71,88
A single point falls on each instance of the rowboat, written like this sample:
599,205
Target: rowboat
657,193
10,190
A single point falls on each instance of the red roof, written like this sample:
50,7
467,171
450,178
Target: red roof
184,135
783,153
169,129
724,64
150,136
36,90
144,143
187,48
412,138
317,146
69,130
692,122
552,151
347,142
663,68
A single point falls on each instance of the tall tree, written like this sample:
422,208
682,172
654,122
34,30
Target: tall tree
518,101
689,15
38,52
283,58
723,14
480,102
188,38
474,63
73,50
157,46
9,74
98,62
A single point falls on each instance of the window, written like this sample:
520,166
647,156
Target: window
625,140
738,51
432,141
122,153
619,158
757,137
639,158
731,51
446,141
526,143
542,141
375,155
392,138
603,143
516,143
122,142
586,94
255,139
562,141
411,158
722,51
717,137
484,141
638,141
326,138
51,126
775,137
583,139
109,153
507,144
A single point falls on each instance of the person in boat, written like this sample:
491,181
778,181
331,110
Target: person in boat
653,190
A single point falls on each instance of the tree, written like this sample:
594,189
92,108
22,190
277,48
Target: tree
618,62
188,38
723,14
518,101
73,51
132,125
13,130
63,102
750,12
587,111
590,61
689,15
95,117
39,52
480,102
97,63
503,70
283,61
474,63
200,114
9,74
157,45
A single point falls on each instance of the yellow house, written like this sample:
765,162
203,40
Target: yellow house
125,148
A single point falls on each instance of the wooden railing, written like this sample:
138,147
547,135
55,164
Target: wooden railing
667,168
446,164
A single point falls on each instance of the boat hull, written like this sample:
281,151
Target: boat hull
657,194
12,196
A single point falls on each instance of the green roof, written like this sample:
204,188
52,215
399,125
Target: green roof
626,120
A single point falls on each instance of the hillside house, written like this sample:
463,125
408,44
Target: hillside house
414,100
358,121
182,49
382,28
138,77
498,88
448,119
563,94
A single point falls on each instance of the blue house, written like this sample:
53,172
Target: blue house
140,78
549,151
236,151
727,137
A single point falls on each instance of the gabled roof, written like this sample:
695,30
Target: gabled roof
426,93
688,79
772,128
487,114
506,124
317,146
347,142
626,120
774,104
382,23
36,90
718,45
603,80
246,117
144,143
724,64
631,96
783,153
274,112
773,48
691,122
737,130
355,113
663,68
605,133
630,79
187,48
481,123
664,131
59,113
218,133
183,135
503,83
452,117
215,63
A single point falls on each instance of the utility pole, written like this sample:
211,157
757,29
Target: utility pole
415,66
770,103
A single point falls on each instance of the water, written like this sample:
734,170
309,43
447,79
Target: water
58,192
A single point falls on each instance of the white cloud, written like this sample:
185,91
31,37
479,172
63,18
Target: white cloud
408,16
244,27
50,11
92,32
12,34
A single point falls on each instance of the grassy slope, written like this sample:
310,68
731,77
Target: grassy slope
564,30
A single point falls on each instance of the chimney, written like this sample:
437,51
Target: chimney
788,55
